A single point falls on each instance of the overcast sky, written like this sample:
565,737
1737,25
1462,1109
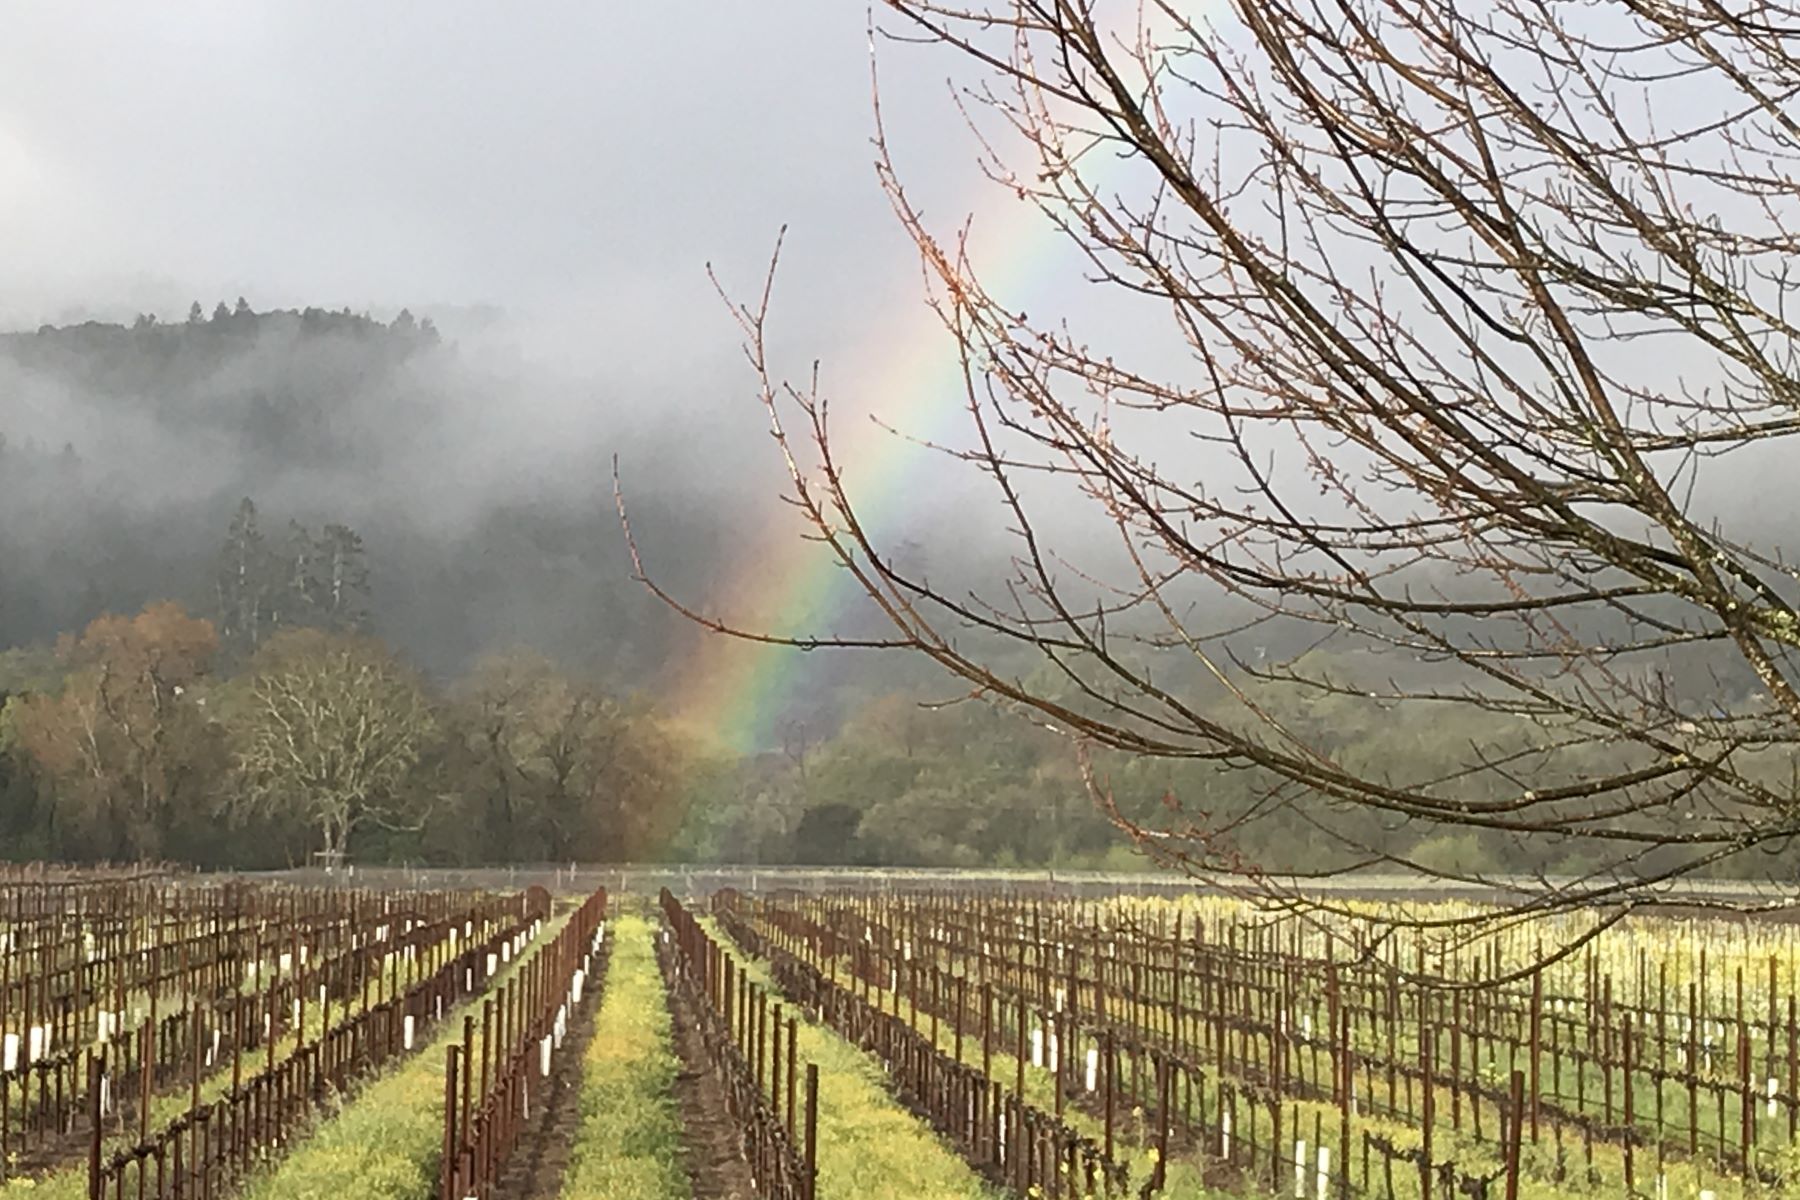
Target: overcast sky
573,162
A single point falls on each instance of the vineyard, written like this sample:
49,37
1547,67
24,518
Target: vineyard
169,1036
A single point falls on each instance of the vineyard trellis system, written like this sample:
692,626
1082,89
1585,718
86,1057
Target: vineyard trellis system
158,978
170,1031
173,1032
1001,1133
1246,1039
522,1028
744,1036
402,985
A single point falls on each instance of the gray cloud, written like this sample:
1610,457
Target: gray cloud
550,182
563,160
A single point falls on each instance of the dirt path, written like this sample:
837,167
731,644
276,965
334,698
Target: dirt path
535,1171
715,1162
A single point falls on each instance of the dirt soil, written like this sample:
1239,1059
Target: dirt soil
715,1162
715,1166
535,1170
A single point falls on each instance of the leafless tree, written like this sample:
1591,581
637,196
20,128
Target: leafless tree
328,727
1479,312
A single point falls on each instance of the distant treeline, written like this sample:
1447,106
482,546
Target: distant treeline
187,675
157,735
151,737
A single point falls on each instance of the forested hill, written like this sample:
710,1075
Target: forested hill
272,383
326,475
126,451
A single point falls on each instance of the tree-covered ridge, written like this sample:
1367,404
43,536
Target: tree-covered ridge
221,518
92,349
276,384
125,449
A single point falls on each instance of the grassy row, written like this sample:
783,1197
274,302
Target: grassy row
387,1142
870,1148
629,1147
68,1181
1134,1138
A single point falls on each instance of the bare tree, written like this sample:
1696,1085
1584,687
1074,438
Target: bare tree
329,728
125,742
1477,314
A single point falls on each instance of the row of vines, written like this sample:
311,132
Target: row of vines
1204,1046
166,1037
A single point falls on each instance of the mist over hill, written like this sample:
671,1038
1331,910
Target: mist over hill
454,502
481,490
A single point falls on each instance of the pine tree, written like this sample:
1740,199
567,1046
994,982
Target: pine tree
343,578
298,590
244,583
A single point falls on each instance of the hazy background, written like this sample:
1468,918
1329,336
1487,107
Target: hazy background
576,165
549,186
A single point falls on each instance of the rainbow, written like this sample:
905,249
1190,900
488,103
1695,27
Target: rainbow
731,692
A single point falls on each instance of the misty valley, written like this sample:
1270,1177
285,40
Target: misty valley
204,546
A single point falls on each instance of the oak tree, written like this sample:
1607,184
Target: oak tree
329,727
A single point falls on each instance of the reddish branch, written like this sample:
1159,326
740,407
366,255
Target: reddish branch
1475,312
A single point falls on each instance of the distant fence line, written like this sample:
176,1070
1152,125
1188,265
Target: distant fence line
703,880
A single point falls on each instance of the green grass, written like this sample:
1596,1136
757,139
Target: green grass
870,1148
1686,1179
387,1142
629,1147
68,1181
